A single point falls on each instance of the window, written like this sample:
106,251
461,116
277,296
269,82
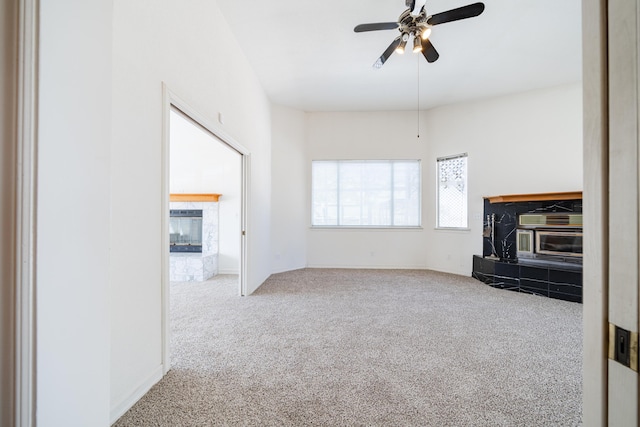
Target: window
452,192
365,193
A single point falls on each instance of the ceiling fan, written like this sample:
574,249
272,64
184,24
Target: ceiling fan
414,22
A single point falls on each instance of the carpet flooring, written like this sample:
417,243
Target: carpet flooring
332,347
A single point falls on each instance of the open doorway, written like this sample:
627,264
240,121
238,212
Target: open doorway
204,172
204,215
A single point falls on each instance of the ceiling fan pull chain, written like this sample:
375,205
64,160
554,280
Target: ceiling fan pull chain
418,100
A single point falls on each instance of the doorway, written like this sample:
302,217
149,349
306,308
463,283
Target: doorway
199,164
201,161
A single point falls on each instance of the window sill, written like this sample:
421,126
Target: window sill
453,229
364,228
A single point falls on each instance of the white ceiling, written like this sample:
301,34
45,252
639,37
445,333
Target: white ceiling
308,57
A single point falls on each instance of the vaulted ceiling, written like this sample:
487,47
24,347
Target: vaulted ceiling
308,57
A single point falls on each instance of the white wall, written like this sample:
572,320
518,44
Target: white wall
362,136
192,50
290,172
201,163
524,143
73,221
517,144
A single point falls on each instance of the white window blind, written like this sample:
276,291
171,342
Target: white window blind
452,192
366,193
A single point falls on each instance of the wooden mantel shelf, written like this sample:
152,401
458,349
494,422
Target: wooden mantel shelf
569,195
182,197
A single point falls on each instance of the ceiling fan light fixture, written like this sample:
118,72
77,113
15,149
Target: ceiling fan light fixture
425,33
417,45
400,48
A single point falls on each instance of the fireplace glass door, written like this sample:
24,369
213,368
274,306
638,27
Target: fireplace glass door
185,230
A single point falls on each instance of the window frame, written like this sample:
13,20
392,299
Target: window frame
338,226
466,193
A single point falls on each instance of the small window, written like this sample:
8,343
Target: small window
365,193
452,192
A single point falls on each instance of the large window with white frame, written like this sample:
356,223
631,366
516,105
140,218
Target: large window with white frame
365,193
452,192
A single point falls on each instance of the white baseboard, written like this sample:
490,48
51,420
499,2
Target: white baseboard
370,267
121,408
285,270
228,272
455,272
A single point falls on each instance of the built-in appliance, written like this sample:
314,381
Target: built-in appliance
185,230
549,236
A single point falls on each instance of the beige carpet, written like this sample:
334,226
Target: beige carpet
367,348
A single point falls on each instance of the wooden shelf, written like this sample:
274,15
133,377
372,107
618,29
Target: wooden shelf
569,195
194,197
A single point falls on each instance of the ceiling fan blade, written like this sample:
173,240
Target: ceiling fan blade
463,12
387,53
376,26
430,53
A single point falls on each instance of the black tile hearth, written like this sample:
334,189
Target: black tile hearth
566,277
483,269
507,276
550,281
565,297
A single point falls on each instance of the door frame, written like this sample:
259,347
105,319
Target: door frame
610,390
171,100
20,394
596,208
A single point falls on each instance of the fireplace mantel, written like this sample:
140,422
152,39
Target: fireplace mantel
193,197
512,198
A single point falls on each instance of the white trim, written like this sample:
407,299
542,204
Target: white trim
136,394
286,270
364,267
209,125
366,228
453,156
454,229
164,232
170,100
244,222
25,381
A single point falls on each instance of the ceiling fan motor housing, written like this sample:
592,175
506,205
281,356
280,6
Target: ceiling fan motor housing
413,25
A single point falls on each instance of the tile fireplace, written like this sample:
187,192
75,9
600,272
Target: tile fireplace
533,244
193,237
